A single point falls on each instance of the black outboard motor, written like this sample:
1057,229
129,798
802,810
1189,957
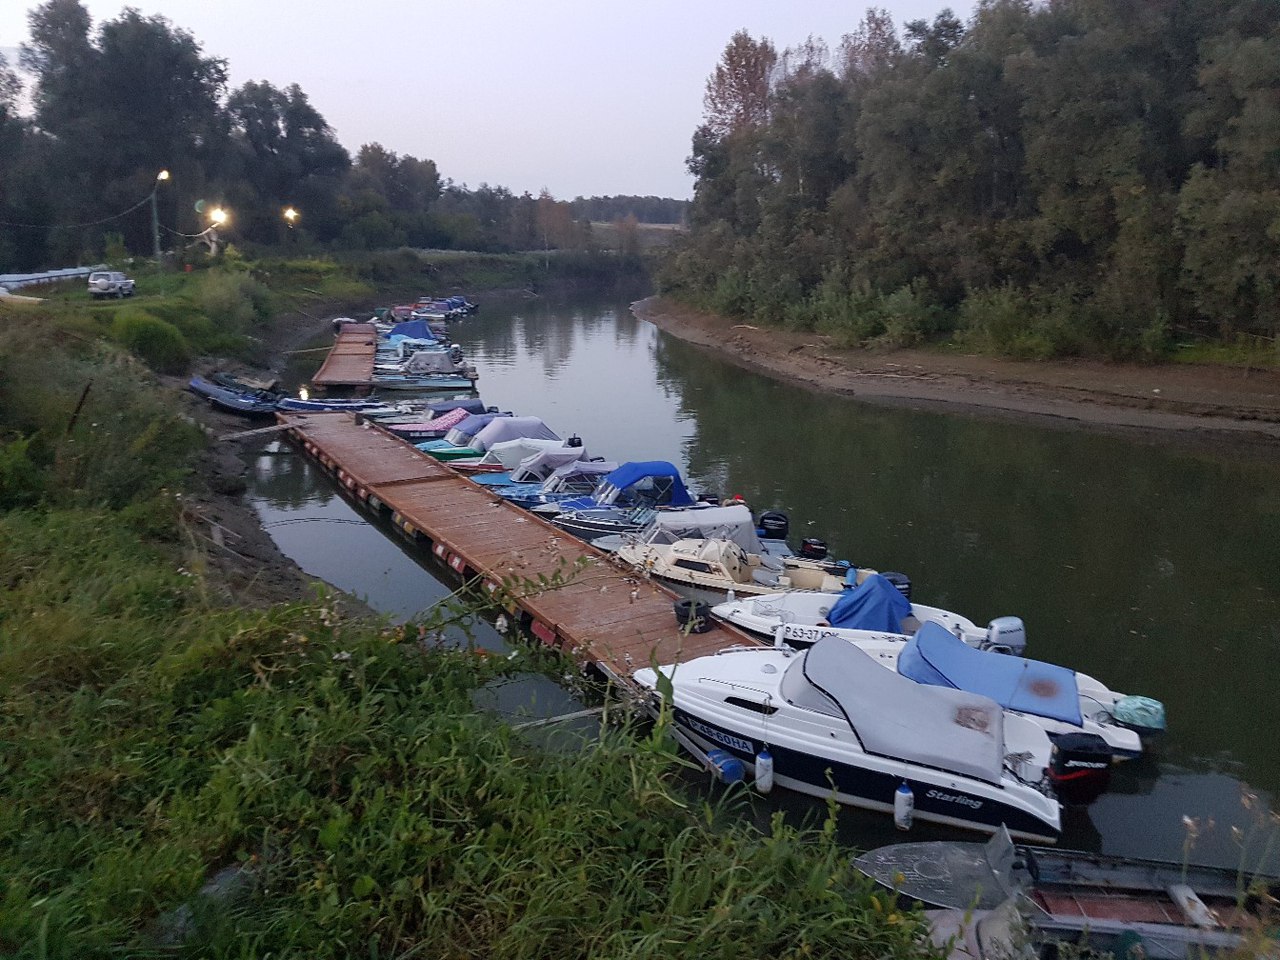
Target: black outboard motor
811,548
899,580
774,525
455,353
1079,767
574,441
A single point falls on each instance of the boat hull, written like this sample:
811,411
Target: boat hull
869,787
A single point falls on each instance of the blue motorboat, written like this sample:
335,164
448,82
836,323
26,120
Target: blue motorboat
236,399
624,501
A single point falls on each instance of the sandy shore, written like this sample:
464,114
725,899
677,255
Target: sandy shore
1182,404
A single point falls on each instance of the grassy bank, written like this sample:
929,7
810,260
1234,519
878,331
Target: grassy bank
338,783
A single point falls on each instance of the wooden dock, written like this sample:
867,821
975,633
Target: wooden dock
601,613
350,359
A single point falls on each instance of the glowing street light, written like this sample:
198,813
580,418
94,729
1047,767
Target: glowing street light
291,216
219,216
161,177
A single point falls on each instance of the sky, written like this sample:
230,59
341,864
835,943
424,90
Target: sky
580,97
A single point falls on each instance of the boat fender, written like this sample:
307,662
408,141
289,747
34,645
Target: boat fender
764,770
726,767
904,806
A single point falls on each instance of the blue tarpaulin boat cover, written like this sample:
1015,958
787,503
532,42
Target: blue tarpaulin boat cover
876,604
418,329
937,657
632,473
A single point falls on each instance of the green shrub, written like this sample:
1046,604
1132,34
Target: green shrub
234,301
20,477
158,343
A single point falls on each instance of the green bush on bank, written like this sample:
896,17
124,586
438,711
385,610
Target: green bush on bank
158,343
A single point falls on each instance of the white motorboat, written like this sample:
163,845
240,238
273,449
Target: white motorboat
835,722
854,614
941,648
706,554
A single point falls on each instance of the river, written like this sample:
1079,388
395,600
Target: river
1154,569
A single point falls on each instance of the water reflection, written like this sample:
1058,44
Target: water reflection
1155,569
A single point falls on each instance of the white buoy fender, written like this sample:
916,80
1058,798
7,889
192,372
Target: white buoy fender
764,770
904,806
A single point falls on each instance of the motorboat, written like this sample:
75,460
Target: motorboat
854,613
837,724
569,481
235,399
947,650
992,897
461,433
706,554
623,502
503,457
497,430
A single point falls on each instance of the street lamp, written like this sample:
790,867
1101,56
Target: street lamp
162,176
290,216
219,217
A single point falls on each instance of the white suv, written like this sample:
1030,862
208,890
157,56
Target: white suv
109,283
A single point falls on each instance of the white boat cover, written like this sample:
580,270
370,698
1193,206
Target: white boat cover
406,347
721,523
512,453
899,718
573,472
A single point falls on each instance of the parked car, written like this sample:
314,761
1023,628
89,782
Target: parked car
109,283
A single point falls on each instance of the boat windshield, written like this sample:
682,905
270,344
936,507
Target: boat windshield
799,692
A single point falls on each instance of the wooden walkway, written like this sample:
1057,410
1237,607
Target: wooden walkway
602,613
350,359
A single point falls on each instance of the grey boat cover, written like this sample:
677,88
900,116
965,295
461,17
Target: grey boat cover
512,428
430,361
722,523
539,466
510,454
462,434
899,718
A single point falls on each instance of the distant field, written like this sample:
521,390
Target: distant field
651,235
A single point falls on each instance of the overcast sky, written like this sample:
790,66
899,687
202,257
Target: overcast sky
583,97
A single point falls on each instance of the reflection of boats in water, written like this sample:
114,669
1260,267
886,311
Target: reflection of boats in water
987,892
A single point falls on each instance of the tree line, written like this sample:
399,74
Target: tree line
1064,177
116,104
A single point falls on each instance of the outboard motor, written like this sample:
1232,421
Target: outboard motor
774,525
574,441
1079,767
455,353
811,548
899,580
1006,635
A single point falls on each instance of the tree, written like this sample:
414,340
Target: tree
737,93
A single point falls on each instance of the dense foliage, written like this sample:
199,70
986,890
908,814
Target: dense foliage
116,105
1051,178
183,778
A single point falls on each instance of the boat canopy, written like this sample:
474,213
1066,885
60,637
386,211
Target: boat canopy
732,523
658,476
895,717
502,429
464,431
430,361
418,329
565,476
937,657
510,454
541,464
875,604
470,405
447,421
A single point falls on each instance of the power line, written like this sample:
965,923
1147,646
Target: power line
68,226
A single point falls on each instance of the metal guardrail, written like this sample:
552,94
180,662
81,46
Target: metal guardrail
16,281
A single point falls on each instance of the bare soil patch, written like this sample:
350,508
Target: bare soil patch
1185,404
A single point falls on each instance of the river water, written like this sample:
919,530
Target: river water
1154,569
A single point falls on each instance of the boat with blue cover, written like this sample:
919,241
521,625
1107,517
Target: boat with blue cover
947,650
623,501
837,724
567,482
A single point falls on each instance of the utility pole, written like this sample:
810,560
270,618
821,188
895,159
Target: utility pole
155,214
